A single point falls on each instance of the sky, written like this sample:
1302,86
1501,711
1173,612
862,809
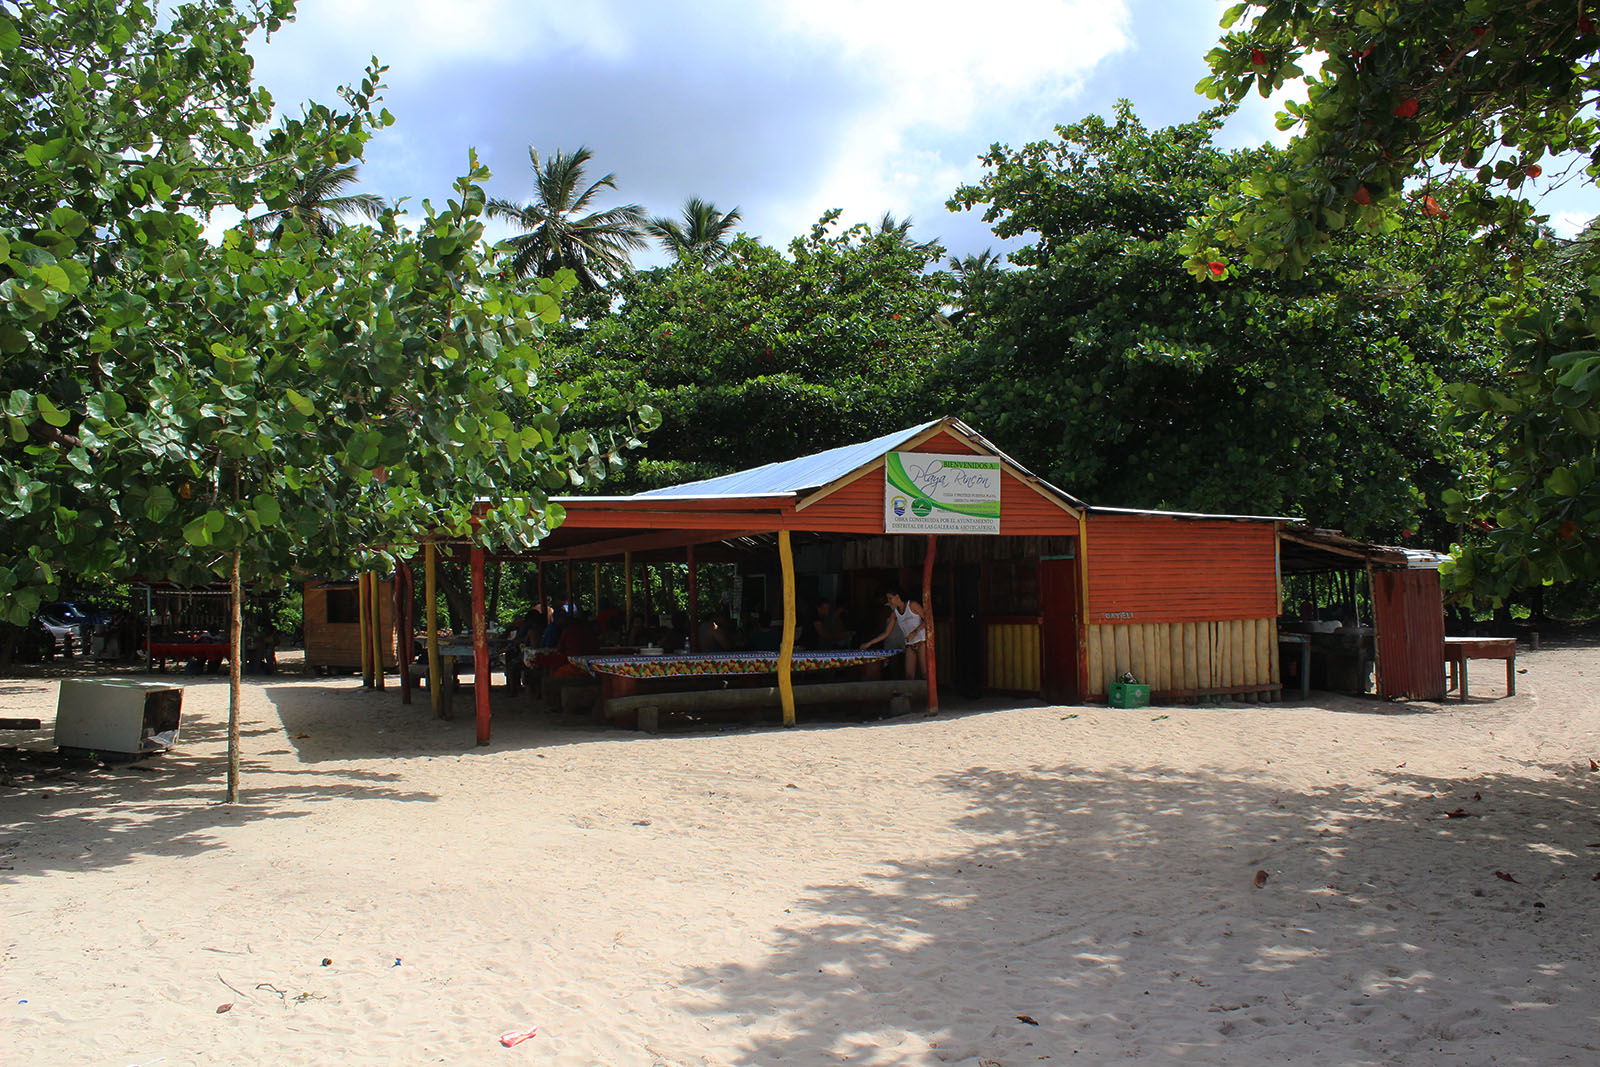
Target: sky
782,108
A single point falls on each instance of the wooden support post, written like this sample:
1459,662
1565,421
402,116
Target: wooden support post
627,596
929,663
375,587
694,604
569,584
786,649
405,633
596,604
480,648
363,617
430,608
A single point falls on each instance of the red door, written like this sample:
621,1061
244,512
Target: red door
1058,629
1408,613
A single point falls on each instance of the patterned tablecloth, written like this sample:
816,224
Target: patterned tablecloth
693,664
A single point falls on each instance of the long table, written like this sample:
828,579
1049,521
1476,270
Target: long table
620,675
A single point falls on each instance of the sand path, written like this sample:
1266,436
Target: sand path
892,893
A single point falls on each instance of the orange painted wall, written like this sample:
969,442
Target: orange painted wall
858,507
1148,568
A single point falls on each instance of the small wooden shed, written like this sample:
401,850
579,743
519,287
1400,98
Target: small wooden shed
331,617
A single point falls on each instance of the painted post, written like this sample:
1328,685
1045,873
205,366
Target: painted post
430,595
627,596
480,648
694,604
786,650
363,612
375,588
405,636
930,662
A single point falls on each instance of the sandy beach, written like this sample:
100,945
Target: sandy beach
1000,885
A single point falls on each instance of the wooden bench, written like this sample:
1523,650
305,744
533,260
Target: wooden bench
1457,650
644,710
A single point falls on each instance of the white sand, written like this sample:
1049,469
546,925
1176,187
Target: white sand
894,893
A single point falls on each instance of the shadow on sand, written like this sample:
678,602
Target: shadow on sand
1119,913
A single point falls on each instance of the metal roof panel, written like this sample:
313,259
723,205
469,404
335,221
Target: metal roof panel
792,475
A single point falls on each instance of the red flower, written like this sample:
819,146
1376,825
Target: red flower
1217,269
1533,170
1479,31
1361,196
1257,58
1406,108
1406,534
1568,531
1431,208
897,315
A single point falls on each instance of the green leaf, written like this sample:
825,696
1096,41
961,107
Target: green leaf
300,403
50,413
1562,482
267,510
9,35
196,532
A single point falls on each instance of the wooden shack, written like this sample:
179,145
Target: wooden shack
331,614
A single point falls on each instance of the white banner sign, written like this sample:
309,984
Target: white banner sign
928,493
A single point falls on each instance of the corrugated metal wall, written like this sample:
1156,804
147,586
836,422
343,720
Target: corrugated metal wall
1150,568
1409,613
1236,655
1012,661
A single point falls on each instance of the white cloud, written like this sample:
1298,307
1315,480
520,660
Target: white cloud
939,68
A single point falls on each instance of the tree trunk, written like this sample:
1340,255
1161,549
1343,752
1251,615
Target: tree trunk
235,640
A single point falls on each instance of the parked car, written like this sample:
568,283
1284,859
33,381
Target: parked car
66,635
76,611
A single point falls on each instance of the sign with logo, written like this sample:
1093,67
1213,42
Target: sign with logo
928,493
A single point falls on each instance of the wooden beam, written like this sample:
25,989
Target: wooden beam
620,518
694,603
480,648
645,542
627,596
405,636
363,616
786,649
375,588
430,582
930,664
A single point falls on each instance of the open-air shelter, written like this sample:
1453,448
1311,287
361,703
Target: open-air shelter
1031,590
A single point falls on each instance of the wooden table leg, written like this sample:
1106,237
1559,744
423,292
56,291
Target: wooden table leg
1511,676
1462,668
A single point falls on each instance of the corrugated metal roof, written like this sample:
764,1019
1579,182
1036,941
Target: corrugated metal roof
793,475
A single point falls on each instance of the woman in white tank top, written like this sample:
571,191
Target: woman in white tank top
907,615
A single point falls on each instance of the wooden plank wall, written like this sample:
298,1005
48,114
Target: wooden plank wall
1012,663
1186,659
338,644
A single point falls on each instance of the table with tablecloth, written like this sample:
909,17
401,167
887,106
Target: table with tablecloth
620,675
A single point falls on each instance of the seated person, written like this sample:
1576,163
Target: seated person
578,638
717,633
827,629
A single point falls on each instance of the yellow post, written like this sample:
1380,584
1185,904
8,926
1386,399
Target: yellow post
374,587
627,597
786,650
430,579
364,619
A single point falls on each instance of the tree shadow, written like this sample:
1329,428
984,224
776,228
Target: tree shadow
1119,913
78,814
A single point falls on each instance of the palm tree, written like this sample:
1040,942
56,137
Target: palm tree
899,233
557,233
701,238
316,201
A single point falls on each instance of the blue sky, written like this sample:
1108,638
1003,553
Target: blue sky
784,108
